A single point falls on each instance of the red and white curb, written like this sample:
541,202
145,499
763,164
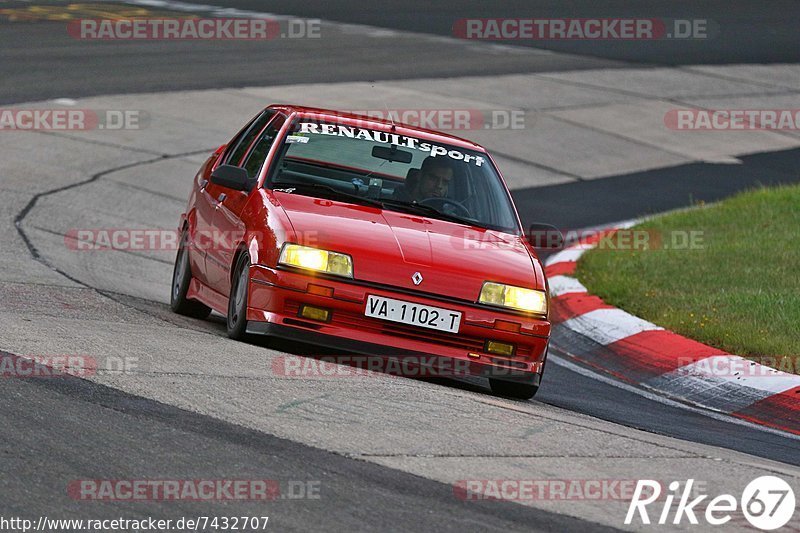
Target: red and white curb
639,352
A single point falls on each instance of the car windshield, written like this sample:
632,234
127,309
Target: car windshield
394,172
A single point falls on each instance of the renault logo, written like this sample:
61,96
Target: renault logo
416,278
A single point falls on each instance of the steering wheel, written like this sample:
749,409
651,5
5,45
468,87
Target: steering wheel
442,203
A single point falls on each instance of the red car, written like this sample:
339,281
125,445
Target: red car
367,237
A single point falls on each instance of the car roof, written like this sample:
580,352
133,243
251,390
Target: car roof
376,123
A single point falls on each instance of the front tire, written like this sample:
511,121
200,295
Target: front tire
181,278
511,389
237,302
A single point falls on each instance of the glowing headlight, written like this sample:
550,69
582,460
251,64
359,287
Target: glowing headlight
513,297
315,259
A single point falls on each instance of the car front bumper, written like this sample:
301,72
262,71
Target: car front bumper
276,296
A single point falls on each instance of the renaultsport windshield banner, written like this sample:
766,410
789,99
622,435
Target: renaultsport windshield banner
353,132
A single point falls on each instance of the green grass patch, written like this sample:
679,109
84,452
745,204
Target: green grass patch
737,288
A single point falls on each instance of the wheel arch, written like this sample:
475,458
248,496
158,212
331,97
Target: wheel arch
241,249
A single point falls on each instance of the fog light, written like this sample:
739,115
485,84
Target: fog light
314,313
500,348
473,355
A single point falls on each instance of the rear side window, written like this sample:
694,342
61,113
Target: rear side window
259,153
242,142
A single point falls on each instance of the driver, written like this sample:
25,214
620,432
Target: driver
433,181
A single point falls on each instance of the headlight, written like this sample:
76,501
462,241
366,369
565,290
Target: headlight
315,259
513,297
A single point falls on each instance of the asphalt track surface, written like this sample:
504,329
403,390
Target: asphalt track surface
739,31
41,61
45,62
70,427
593,203
107,432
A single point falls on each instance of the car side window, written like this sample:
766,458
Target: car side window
259,152
240,144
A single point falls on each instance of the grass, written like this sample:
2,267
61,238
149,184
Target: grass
737,289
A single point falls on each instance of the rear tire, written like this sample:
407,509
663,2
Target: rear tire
181,278
237,301
511,389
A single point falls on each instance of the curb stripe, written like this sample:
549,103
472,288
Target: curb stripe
562,268
608,325
662,351
568,255
575,304
639,352
560,285
713,392
742,371
604,358
779,411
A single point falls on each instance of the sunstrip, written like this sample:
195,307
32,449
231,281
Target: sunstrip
638,351
395,139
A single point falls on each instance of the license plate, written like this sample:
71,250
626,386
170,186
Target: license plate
424,316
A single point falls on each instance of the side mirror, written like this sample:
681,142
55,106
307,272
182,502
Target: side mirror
545,236
232,177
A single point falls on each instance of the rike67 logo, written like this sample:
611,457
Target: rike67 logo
767,503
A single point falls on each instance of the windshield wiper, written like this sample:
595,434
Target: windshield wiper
423,209
328,189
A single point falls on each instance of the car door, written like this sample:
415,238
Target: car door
208,194
228,209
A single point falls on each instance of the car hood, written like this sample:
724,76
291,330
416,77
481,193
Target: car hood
389,247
